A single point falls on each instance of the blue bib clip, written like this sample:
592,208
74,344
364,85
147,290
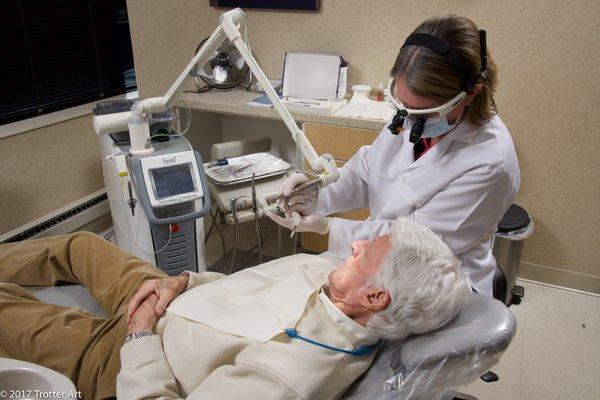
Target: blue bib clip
361,351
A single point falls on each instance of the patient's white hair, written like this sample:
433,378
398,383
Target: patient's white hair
425,280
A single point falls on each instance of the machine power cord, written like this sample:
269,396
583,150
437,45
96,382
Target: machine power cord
259,239
234,250
252,252
215,225
166,244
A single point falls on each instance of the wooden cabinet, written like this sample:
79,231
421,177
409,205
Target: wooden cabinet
342,143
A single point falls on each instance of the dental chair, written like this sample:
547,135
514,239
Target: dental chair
433,365
429,366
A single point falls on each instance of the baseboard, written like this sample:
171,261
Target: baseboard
560,277
89,212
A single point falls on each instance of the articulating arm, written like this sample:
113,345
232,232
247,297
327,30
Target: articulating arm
228,28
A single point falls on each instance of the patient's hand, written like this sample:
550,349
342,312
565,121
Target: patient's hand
164,289
144,318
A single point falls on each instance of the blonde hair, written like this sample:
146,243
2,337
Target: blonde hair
428,74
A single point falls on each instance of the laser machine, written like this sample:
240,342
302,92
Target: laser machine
157,190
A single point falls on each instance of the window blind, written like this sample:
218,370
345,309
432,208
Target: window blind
56,54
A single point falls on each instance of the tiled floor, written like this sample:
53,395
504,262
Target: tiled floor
555,353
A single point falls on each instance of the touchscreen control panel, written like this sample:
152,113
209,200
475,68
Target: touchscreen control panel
172,178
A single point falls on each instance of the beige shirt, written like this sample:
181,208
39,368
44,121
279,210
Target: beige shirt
348,323
241,352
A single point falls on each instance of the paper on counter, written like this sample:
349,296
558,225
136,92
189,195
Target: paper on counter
262,101
360,106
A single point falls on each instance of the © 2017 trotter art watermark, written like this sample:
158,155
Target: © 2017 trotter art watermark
38,394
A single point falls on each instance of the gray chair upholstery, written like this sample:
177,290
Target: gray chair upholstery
427,366
68,296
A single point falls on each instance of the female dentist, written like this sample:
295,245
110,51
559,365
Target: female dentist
446,160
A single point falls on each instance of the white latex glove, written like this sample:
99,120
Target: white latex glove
300,218
290,184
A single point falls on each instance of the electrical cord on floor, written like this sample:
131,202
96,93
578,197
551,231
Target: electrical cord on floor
215,225
222,240
210,228
252,252
259,238
278,241
233,267
234,250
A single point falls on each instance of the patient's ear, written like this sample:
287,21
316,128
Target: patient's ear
376,299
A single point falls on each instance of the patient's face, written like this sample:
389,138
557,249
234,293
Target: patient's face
346,281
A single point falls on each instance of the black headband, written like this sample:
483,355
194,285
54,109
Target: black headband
459,64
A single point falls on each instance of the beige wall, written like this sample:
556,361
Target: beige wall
549,91
45,169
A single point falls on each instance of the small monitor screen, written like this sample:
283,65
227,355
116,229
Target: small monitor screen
174,180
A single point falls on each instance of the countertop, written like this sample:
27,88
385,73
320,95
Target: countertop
234,101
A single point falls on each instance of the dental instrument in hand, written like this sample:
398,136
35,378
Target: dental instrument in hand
314,184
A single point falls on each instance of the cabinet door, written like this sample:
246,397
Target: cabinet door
341,143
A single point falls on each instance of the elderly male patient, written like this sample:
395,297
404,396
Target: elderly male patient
294,328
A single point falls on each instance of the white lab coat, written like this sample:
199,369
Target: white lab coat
460,189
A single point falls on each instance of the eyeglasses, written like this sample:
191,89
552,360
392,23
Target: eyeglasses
431,114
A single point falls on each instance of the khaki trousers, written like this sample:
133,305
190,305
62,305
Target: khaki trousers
71,341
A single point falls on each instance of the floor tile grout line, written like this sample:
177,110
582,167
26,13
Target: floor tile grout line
567,289
522,358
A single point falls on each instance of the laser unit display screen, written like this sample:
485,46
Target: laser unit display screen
174,180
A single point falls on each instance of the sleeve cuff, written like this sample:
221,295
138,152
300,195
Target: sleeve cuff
320,207
138,349
337,246
327,226
201,278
